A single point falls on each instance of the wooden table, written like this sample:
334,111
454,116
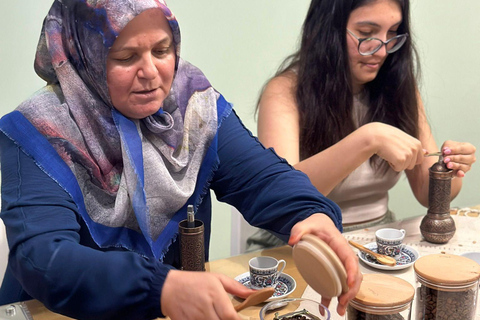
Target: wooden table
465,239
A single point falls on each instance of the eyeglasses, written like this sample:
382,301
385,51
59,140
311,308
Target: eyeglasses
368,46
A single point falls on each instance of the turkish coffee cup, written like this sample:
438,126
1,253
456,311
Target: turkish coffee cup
264,271
389,241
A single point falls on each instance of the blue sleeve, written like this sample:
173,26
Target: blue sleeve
50,261
268,192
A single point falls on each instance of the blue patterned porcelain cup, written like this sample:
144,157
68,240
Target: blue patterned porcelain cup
389,241
264,271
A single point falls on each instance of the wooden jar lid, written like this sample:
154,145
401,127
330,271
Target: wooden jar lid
447,269
383,290
320,266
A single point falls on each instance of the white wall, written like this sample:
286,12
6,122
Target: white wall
239,44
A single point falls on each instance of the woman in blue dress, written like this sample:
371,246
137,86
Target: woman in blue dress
99,166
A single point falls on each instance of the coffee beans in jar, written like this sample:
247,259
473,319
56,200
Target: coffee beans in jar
296,317
294,309
447,287
381,297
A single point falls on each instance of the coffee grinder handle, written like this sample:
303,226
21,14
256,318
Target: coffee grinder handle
190,217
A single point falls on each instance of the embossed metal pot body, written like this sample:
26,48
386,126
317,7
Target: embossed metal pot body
192,247
438,226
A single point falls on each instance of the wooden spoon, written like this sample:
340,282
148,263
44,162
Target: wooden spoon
255,298
383,259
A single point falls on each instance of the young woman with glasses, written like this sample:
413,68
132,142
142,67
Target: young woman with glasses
345,110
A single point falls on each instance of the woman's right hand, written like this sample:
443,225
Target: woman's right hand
400,150
189,295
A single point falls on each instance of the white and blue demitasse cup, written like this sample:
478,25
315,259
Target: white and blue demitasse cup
389,241
264,271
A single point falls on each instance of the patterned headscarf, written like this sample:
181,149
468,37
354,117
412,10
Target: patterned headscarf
134,178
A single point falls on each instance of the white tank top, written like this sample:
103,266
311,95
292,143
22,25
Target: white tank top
363,195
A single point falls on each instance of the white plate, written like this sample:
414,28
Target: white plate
407,258
285,285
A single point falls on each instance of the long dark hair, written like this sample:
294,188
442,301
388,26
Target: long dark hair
324,92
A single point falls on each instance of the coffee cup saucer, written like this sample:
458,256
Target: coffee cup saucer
407,258
285,285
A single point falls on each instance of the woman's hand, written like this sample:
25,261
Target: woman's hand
400,150
188,295
322,226
459,156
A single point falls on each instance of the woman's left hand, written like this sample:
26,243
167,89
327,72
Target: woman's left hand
322,226
459,156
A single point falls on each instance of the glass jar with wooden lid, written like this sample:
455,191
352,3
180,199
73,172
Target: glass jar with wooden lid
447,287
381,297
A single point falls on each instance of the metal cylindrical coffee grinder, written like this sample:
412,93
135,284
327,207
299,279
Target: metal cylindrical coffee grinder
192,245
438,226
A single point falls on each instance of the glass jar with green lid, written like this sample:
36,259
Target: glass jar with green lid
447,287
382,297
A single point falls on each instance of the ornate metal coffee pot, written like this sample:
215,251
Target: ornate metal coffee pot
438,226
